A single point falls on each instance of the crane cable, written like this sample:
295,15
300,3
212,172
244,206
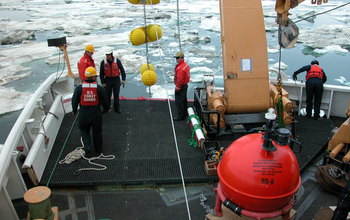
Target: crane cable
305,19
171,118
324,12
178,22
279,104
62,149
145,28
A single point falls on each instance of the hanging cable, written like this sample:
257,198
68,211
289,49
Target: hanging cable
172,121
63,147
340,6
59,62
279,104
178,22
145,28
58,66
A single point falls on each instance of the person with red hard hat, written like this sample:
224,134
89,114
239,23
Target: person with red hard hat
111,69
86,61
315,78
181,79
90,96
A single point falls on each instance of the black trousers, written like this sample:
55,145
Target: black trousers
314,90
87,121
343,206
181,101
113,85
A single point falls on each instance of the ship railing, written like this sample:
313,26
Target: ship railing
30,125
204,114
335,98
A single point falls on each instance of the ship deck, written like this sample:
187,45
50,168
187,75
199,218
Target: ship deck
144,179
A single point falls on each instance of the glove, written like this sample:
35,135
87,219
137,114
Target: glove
123,83
295,76
104,85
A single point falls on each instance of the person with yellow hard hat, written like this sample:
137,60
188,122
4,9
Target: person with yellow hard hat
86,61
90,96
111,69
181,79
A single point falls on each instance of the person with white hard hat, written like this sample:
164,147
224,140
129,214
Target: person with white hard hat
111,69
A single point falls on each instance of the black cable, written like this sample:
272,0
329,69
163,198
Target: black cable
340,6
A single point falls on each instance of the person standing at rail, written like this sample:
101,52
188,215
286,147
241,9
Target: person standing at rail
315,78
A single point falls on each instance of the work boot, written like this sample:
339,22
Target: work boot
317,118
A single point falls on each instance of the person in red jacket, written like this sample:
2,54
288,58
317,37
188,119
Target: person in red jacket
111,69
181,79
86,61
90,96
315,78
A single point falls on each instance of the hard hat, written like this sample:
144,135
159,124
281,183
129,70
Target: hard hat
90,72
110,51
89,48
314,62
180,54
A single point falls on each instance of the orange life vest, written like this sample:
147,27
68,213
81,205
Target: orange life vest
315,71
89,95
112,71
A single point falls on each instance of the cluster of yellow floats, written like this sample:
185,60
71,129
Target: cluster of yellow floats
144,35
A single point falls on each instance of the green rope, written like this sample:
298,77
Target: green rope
192,141
64,145
193,116
279,107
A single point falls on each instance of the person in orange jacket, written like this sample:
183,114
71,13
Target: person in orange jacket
86,61
181,79
315,78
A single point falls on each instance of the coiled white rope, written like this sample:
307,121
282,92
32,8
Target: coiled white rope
80,153
73,156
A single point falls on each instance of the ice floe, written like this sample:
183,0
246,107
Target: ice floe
107,24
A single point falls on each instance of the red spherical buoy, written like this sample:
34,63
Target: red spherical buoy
257,179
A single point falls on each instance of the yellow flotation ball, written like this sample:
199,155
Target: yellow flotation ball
154,32
149,77
145,67
148,2
134,1
137,36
